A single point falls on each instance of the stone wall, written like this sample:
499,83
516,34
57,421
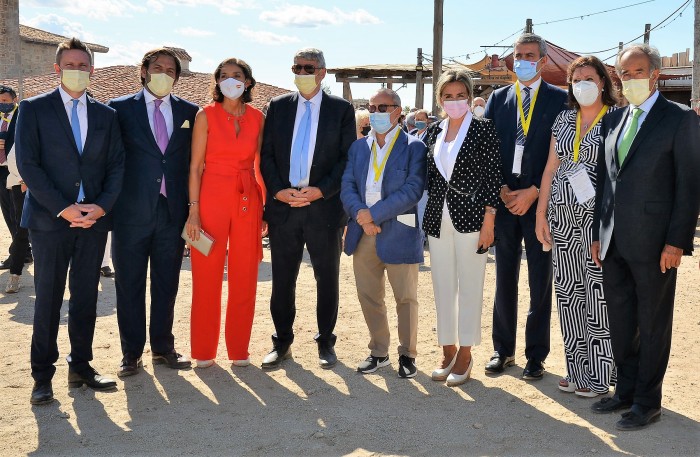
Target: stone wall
37,58
9,39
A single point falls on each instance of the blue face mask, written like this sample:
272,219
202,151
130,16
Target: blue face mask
380,122
525,70
420,125
6,107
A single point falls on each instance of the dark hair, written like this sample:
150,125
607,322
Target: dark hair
8,90
247,72
73,43
608,96
152,55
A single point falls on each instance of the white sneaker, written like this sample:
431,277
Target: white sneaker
204,363
241,363
13,285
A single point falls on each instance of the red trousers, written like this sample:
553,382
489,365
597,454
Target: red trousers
231,212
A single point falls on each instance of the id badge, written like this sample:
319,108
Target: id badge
581,184
372,197
518,159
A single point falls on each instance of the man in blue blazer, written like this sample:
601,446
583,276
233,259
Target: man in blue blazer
523,115
151,210
70,155
381,187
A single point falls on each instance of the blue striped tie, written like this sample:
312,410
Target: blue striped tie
75,126
520,139
300,150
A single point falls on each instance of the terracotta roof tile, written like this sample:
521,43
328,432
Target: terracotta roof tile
112,82
42,36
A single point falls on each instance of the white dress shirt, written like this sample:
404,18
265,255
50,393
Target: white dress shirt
645,107
165,108
533,88
82,112
315,109
373,182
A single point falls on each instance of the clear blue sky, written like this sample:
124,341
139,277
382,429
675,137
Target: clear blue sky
267,33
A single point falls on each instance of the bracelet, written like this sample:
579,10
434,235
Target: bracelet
193,203
490,210
541,211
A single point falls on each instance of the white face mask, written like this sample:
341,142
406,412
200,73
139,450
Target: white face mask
636,90
479,111
585,92
160,84
75,80
305,83
232,88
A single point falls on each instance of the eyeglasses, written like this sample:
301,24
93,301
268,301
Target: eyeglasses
380,108
309,69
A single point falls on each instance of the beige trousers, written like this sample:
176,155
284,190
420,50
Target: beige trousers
370,279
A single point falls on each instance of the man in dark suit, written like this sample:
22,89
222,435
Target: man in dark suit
8,121
523,115
304,151
70,154
151,210
647,203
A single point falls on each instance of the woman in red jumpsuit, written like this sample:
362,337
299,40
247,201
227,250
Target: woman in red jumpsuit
226,201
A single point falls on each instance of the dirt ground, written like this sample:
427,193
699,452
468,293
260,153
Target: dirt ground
302,409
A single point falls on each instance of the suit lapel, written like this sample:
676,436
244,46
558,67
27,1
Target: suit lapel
178,120
611,152
323,121
285,128
62,117
543,99
92,124
399,148
142,120
655,115
364,157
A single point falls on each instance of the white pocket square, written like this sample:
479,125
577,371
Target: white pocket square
186,124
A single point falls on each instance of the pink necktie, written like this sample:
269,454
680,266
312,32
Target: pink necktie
161,132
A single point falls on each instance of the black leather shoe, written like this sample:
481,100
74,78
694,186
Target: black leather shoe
90,378
638,417
42,393
275,357
29,258
106,272
609,405
534,370
5,264
172,359
129,367
498,363
326,355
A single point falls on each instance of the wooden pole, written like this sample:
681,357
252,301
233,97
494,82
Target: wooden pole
620,46
419,79
347,92
528,26
695,97
647,31
437,47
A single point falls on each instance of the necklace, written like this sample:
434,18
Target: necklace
229,116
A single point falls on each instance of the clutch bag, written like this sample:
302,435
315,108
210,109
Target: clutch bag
203,244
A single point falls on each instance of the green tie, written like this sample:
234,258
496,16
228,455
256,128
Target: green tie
627,140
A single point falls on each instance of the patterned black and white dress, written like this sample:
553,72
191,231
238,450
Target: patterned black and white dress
578,282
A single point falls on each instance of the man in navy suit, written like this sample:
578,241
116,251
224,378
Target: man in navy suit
70,155
304,151
151,210
523,115
381,186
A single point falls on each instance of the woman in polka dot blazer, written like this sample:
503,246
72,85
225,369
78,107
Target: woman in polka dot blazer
464,179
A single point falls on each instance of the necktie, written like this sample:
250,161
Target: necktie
300,149
161,132
628,138
520,138
3,155
75,127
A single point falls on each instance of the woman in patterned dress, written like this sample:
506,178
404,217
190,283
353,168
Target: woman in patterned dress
565,224
464,179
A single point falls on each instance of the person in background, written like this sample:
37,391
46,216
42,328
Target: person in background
226,201
523,114
564,218
382,183
20,236
106,269
478,106
421,123
410,123
362,126
464,179
8,120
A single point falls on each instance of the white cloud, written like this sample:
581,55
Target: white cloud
231,7
129,53
60,25
312,17
192,32
95,9
265,37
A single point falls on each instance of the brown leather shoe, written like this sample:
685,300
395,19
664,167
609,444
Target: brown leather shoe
172,360
129,367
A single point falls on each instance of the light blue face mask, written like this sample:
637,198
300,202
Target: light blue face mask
380,122
420,125
525,70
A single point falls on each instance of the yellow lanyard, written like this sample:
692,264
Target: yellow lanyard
7,117
525,121
579,138
379,169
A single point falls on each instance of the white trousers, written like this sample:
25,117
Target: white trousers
458,284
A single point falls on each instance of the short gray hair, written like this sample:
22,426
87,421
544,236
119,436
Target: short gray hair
650,51
396,100
311,54
532,38
411,119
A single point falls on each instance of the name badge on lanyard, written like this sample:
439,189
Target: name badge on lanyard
581,184
374,190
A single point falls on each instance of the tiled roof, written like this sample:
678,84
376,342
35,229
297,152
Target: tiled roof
42,36
180,53
112,82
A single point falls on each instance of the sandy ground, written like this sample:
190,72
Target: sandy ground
302,409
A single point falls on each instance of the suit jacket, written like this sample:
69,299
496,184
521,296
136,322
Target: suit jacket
10,138
402,188
336,132
51,166
653,199
145,164
475,181
502,108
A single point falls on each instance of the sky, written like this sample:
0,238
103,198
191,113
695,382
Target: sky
266,34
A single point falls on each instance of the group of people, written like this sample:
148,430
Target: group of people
603,196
